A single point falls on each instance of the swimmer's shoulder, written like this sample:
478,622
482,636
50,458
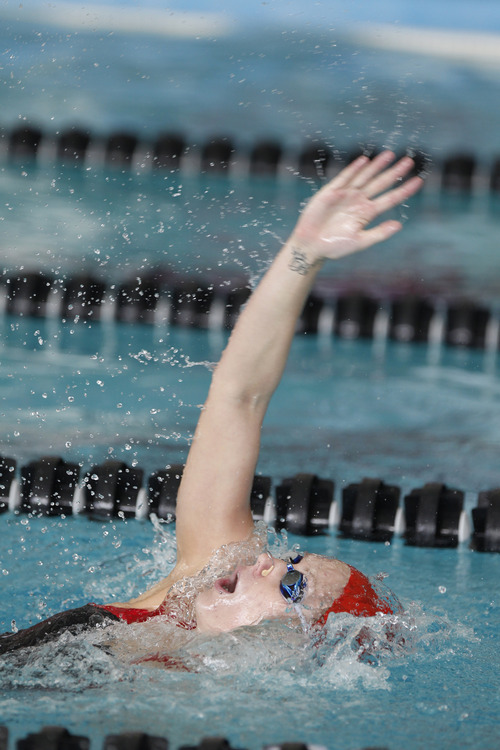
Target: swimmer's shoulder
153,597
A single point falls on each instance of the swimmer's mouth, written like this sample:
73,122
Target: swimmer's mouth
227,585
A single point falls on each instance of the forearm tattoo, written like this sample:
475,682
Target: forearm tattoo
299,262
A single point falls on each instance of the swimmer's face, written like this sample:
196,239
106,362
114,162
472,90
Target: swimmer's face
252,593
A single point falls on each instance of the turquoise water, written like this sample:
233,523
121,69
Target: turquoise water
121,226
88,392
440,690
406,414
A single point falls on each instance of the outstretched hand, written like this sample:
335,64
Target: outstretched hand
334,222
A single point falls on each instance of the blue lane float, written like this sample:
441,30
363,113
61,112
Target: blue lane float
53,738
467,324
112,490
27,293
220,154
303,504
495,177
59,738
486,520
48,486
164,299
410,319
458,173
433,516
134,741
355,316
23,142
168,151
72,145
216,154
163,486
370,510
8,483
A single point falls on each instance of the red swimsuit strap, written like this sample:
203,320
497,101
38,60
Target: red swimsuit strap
358,598
130,615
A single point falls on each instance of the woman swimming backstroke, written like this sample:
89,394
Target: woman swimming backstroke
213,503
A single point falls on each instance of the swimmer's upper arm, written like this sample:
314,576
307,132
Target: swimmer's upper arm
213,503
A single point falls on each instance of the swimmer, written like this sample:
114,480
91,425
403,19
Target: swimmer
213,503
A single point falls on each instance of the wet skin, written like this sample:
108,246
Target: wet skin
252,592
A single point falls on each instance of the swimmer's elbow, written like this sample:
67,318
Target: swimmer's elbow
248,399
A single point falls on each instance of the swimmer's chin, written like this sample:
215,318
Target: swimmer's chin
217,628
288,619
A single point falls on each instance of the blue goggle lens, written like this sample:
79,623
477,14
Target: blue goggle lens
293,583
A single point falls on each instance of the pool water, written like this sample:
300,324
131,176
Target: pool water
400,413
408,414
440,690
118,226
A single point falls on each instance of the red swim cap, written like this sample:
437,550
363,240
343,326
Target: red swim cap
358,598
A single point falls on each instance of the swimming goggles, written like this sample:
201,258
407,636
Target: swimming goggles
293,583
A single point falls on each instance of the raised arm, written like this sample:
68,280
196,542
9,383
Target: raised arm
213,503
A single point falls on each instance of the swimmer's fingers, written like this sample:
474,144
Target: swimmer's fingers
377,234
388,178
397,195
360,172
376,171
348,174
373,176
